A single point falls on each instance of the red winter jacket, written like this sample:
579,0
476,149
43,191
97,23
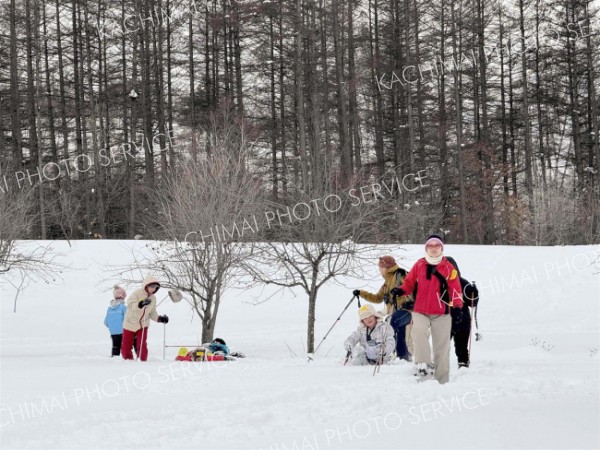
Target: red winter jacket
430,298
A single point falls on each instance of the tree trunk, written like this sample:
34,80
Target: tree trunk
237,55
315,108
457,50
160,90
49,97
505,166
132,166
538,96
341,87
595,127
410,123
61,75
574,99
172,160
511,121
329,154
77,82
420,116
485,147
192,85
282,116
526,119
275,180
374,66
299,81
354,130
99,189
35,155
312,312
15,102
443,124
147,96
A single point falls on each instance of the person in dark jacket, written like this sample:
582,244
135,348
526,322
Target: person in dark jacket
461,319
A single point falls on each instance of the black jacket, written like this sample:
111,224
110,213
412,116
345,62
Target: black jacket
461,319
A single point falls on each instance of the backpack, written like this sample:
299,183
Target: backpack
409,304
469,289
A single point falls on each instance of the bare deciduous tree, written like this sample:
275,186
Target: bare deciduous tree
320,237
14,219
30,260
206,217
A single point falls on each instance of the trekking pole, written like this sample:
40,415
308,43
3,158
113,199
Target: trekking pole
381,350
166,297
164,339
478,335
141,343
348,355
471,327
175,297
334,323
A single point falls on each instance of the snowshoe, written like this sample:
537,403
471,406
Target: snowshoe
424,372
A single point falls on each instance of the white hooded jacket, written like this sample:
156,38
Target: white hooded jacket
136,318
381,334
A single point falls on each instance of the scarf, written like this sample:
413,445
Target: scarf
434,261
116,302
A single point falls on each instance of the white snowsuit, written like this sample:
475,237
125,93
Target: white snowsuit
370,349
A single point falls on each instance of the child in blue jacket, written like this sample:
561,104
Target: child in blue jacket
114,319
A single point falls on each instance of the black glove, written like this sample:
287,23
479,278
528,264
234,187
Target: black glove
397,292
356,292
145,302
471,294
163,319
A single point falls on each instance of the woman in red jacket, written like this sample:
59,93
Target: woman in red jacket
435,286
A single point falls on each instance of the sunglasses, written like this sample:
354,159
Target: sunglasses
434,246
156,286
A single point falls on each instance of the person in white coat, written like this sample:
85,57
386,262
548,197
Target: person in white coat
372,333
141,308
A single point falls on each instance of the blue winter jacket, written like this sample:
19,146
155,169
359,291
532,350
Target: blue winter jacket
114,318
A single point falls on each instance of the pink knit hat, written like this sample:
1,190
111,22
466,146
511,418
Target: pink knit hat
434,238
119,292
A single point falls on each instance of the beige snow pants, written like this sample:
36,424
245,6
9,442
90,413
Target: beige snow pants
440,326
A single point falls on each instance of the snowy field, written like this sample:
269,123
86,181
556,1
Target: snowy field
533,382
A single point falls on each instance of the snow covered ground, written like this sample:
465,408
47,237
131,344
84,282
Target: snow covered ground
533,383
